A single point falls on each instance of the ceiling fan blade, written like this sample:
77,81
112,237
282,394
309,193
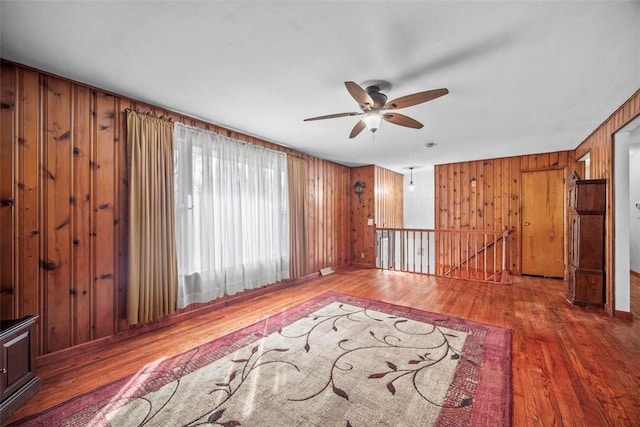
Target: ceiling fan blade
415,98
357,129
331,116
359,94
402,120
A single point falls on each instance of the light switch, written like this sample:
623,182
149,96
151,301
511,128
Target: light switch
369,221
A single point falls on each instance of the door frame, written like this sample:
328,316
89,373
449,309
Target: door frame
621,271
565,226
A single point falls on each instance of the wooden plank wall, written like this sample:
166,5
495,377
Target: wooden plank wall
600,146
362,238
494,201
389,198
329,188
63,205
381,202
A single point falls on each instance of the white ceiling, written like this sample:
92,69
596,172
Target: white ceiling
524,77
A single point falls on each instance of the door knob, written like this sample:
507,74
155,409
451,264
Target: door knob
526,223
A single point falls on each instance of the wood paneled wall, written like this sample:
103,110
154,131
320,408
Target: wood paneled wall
389,198
362,238
63,205
380,204
62,252
329,188
600,147
494,201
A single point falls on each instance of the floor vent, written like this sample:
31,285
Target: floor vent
327,270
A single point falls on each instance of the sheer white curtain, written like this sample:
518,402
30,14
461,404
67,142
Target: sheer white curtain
232,215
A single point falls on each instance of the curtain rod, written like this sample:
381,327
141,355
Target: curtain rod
197,129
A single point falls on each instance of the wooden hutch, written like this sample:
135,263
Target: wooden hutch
587,204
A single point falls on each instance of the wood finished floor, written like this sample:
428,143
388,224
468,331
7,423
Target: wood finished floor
571,366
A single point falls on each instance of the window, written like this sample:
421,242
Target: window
232,219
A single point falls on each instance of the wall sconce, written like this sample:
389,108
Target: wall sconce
358,187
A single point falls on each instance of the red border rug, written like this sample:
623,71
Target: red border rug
333,360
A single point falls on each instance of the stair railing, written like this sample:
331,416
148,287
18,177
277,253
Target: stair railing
467,254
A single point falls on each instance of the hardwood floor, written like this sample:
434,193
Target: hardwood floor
571,366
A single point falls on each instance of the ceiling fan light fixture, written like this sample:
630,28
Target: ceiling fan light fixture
372,120
375,108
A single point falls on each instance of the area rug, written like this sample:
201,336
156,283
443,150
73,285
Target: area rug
335,360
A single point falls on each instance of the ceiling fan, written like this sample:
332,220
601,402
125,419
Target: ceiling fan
375,107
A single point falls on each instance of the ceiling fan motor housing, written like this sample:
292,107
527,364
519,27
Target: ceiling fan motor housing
379,99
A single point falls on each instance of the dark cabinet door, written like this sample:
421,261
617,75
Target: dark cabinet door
18,381
586,242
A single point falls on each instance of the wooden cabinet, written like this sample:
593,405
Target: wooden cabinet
586,242
18,381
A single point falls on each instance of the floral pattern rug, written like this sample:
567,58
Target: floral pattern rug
336,360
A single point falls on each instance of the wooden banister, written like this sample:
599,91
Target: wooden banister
470,254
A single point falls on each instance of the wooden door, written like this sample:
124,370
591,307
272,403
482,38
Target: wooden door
543,223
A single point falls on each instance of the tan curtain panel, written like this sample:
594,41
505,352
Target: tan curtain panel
298,195
153,277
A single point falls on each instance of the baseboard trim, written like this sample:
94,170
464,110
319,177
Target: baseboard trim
362,265
624,315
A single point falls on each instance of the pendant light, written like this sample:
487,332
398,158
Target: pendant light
412,188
